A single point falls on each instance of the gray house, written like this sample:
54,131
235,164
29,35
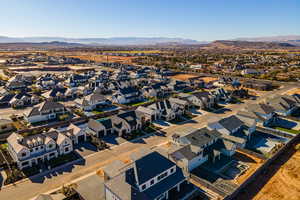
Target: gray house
142,180
196,147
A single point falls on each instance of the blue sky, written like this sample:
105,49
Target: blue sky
194,19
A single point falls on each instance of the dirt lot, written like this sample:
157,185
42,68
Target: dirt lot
280,182
94,57
183,77
285,184
209,79
293,91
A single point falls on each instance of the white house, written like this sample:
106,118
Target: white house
33,149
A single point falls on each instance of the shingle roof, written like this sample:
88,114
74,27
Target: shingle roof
145,170
231,123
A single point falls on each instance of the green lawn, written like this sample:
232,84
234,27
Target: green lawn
288,130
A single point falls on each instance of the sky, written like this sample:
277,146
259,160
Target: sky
203,20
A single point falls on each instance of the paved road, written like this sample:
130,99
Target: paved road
30,188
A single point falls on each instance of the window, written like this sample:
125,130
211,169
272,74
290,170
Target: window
31,150
66,149
162,176
50,146
152,182
23,154
172,170
36,148
42,147
144,187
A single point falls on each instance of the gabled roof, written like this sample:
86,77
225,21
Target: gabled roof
145,170
231,123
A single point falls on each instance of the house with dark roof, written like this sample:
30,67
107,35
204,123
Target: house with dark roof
23,99
92,101
121,124
127,95
195,147
202,100
284,104
235,125
56,94
261,112
166,110
142,180
5,99
77,79
47,110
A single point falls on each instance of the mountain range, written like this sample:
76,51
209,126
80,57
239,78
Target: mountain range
101,41
58,42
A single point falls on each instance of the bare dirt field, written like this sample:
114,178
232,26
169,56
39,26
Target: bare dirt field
293,91
94,57
183,77
280,182
209,79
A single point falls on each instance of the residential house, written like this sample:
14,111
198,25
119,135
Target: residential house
120,125
23,99
5,99
127,95
284,104
264,114
165,110
258,85
235,125
31,150
6,125
77,79
202,100
92,101
47,110
197,146
55,94
143,180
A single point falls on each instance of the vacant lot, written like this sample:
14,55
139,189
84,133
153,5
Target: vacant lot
93,56
279,182
285,184
209,79
183,77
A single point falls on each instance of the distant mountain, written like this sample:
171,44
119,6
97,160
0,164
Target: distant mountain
235,44
292,39
271,38
102,41
41,45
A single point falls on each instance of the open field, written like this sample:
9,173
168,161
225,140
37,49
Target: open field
280,182
183,77
93,56
209,79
